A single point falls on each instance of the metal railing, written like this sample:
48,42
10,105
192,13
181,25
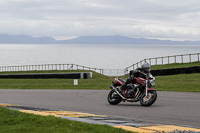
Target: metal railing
45,67
184,58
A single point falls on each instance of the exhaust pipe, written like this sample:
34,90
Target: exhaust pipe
115,89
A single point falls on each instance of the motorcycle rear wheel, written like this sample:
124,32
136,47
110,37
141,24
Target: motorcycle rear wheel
149,100
114,98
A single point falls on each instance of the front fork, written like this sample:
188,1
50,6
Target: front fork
146,93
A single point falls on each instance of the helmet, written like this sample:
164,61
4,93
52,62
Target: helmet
146,67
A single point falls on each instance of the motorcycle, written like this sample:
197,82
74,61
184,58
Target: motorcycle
139,89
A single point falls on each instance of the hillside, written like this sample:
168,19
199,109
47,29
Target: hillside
25,39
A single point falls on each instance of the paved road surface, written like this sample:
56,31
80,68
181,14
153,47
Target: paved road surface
177,108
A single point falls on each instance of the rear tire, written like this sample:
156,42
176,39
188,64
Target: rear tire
114,98
148,101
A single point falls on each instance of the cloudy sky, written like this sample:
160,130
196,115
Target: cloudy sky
163,19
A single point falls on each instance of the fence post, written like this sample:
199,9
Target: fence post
156,61
190,58
175,59
182,58
198,57
150,61
168,59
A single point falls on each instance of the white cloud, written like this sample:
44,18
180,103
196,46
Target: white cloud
174,19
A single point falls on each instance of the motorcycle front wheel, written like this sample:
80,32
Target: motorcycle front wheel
149,100
114,98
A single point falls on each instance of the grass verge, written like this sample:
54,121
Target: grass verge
181,82
17,122
175,65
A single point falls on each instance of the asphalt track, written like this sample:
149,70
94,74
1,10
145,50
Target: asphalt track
171,108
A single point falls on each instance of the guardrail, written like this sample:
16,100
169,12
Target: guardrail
184,58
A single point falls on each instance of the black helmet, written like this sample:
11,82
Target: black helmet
146,67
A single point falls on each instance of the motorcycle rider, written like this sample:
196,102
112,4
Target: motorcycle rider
142,72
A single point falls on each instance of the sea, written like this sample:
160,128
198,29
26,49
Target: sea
118,56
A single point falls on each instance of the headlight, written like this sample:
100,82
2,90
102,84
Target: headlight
152,82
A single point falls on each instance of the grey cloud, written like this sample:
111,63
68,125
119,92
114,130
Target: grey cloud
133,18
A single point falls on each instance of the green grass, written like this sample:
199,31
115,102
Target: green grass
177,65
54,84
182,82
17,122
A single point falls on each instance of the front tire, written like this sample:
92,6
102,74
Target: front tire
149,100
114,98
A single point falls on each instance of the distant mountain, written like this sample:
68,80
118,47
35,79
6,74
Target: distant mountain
121,40
25,39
